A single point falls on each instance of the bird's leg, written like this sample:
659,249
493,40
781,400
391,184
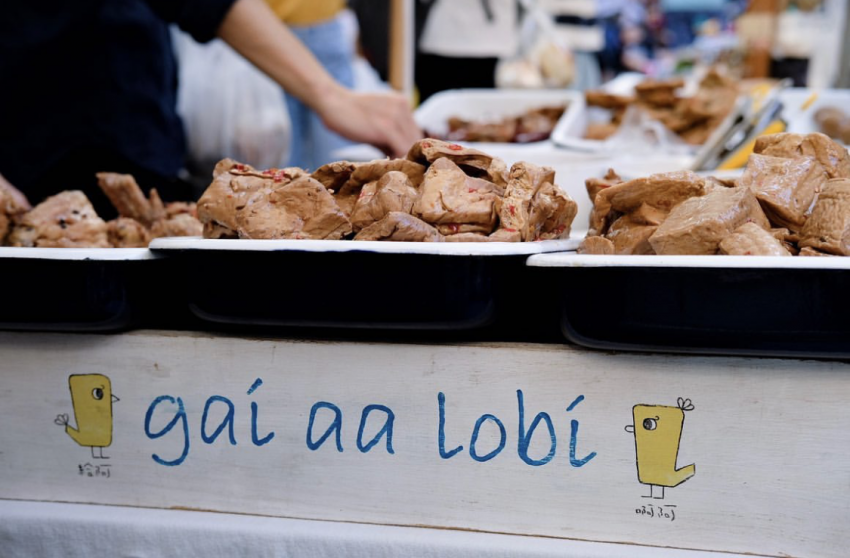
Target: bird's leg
93,456
662,495
650,492
107,457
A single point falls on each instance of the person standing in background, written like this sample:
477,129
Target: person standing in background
318,24
462,41
95,86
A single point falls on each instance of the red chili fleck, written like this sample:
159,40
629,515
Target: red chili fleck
426,144
513,210
473,191
455,147
454,227
510,230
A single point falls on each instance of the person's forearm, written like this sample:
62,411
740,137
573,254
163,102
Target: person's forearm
255,32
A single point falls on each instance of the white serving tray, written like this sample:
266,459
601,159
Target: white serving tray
802,121
77,254
377,247
489,105
713,262
570,130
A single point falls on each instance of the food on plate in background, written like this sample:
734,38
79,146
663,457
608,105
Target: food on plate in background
533,125
160,220
793,199
440,192
68,220
835,123
13,204
692,118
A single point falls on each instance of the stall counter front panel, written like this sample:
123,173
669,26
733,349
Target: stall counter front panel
705,453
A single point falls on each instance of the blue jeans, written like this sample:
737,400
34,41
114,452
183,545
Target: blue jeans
312,143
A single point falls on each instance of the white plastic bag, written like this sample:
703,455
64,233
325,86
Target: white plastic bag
542,61
229,108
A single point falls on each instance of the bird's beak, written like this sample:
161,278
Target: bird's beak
115,398
630,428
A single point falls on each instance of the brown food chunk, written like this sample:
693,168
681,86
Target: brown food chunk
788,239
697,225
661,191
470,237
786,188
629,236
365,173
551,216
462,228
13,204
809,252
12,201
832,121
832,156
400,227
594,185
503,131
300,209
233,184
607,100
393,192
751,240
471,161
600,131
449,197
66,220
828,227
597,245
125,232
182,224
128,198
659,92
515,207
334,175
178,208
505,235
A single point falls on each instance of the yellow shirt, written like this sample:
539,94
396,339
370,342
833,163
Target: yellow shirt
305,12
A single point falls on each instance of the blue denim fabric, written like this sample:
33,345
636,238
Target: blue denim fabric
312,143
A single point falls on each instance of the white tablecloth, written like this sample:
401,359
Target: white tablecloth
35,530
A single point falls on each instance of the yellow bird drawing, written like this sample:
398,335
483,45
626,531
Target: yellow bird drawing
658,431
92,398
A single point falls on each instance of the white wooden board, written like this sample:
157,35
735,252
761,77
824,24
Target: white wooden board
769,439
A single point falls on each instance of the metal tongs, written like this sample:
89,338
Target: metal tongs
742,126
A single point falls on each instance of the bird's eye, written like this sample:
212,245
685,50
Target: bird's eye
650,424
97,393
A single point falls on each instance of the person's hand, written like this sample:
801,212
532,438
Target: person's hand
381,119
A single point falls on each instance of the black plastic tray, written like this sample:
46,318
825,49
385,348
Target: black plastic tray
753,306
68,289
353,285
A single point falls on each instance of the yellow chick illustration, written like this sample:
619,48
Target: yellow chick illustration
658,430
92,398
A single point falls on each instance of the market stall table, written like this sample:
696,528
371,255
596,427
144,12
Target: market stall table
520,439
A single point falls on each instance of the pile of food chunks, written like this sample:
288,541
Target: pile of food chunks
440,192
793,199
693,119
68,220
